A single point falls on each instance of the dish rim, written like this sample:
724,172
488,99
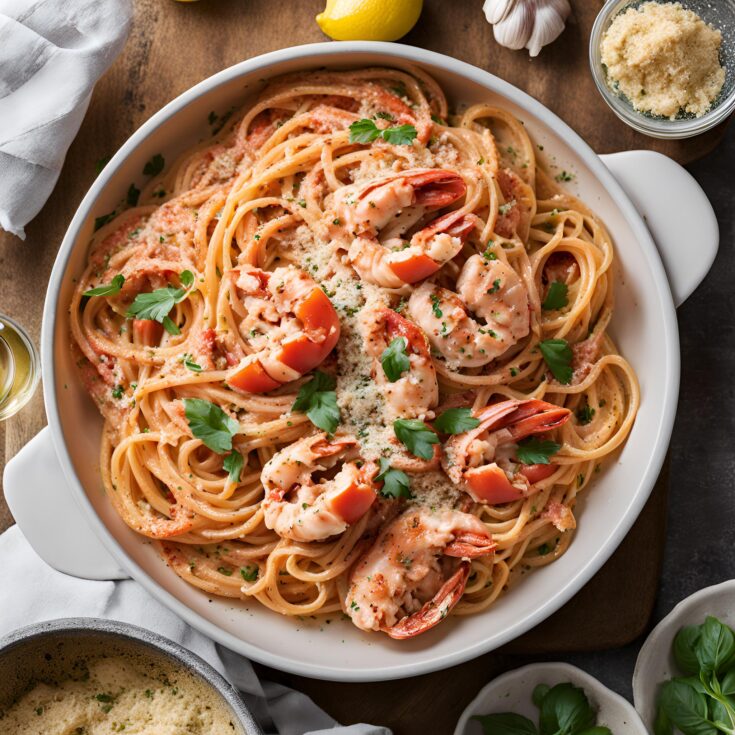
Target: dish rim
391,53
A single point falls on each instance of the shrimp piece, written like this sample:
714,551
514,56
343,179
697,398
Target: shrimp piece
406,583
389,207
482,460
416,391
291,327
299,508
492,291
516,214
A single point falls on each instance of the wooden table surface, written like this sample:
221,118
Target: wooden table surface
174,45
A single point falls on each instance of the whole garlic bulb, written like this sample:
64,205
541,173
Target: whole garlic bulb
529,23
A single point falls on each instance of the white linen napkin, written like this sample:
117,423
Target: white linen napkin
31,592
51,54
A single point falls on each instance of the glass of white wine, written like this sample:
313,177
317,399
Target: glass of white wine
19,367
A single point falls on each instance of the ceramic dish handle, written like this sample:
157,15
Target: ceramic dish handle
38,497
677,212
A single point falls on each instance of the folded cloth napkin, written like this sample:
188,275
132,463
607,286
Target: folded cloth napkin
31,592
51,54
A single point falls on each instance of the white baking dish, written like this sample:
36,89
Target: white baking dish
62,462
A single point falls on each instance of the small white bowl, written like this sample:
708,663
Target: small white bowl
655,663
511,692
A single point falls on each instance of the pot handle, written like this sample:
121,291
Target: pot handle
39,498
676,211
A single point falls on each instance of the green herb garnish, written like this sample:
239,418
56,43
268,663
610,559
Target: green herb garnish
556,297
396,483
394,359
366,131
154,166
456,421
318,400
536,451
111,289
232,464
209,423
157,304
558,357
416,436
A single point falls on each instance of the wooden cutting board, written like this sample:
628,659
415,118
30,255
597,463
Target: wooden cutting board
174,45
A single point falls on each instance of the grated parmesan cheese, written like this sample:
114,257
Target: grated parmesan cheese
664,59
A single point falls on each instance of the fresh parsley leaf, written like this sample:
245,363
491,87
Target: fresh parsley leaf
363,131
154,166
233,463
117,392
394,359
111,289
399,135
456,421
249,573
211,424
506,723
396,483
565,710
585,414
416,436
133,195
103,220
556,297
564,176
158,304
366,131
435,310
558,356
536,451
318,400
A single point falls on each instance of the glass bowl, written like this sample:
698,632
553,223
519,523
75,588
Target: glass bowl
19,367
720,14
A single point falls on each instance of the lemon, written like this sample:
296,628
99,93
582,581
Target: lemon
369,20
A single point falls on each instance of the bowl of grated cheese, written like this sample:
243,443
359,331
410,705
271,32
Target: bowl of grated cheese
667,69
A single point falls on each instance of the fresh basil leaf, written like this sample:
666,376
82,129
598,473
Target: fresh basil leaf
157,304
539,692
395,360
318,400
506,723
685,646
456,421
556,297
717,712
686,708
396,483
727,685
232,464
416,436
597,730
209,423
535,451
154,166
662,724
133,195
715,646
399,135
363,131
565,710
111,289
558,357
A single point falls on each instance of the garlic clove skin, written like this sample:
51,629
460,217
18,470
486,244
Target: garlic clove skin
550,20
496,10
529,23
515,29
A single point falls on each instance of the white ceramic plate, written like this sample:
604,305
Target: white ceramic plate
644,327
511,692
655,663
